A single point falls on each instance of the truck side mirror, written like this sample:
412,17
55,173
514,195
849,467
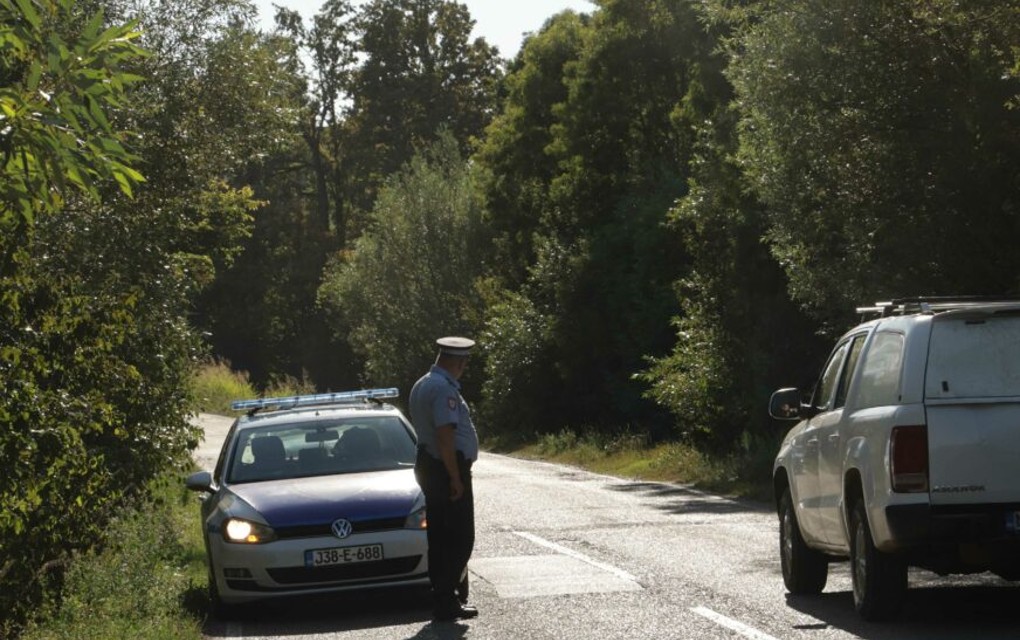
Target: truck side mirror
785,404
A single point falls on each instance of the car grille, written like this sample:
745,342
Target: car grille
363,526
359,571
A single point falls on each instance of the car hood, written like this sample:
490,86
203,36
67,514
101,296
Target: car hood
309,501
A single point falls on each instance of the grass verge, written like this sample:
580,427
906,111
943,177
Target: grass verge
745,473
216,385
147,583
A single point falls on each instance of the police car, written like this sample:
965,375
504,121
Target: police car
312,494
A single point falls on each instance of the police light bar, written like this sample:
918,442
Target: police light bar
340,397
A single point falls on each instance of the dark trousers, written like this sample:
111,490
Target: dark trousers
451,524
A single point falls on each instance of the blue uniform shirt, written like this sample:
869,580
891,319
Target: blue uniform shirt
436,401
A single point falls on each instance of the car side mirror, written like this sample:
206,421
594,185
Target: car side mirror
785,404
200,481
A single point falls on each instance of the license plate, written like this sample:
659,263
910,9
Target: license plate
343,555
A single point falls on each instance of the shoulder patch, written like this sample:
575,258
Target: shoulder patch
452,403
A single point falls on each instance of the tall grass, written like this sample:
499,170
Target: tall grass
147,583
215,385
744,473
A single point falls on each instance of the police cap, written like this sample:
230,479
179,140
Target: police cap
455,346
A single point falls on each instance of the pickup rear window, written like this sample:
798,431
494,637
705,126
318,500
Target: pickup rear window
974,356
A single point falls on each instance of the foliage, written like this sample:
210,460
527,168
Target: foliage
96,349
73,376
882,139
55,133
597,104
514,156
145,584
737,326
421,73
373,99
409,278
215,385
516,339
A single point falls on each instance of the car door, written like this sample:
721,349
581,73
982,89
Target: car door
805,448
829,432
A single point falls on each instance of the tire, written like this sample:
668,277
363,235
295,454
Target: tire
805,571
879,578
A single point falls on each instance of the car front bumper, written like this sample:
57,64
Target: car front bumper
247,572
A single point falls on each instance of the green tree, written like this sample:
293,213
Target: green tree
97,287
619,144
410,278
330,45
420,73
882,137
514,155
61,358
737,324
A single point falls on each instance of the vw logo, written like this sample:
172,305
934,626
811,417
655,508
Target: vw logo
341,528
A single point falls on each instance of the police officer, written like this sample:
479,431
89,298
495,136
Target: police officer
447,447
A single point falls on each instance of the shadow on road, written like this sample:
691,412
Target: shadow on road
344,612
679,499
930,613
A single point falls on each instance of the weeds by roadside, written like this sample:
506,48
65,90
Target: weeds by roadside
147,583
216,385
745,473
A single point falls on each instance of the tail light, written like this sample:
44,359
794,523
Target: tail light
908,459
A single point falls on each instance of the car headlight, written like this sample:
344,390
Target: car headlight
416,519
243,531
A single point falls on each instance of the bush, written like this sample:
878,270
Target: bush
215,385
137,585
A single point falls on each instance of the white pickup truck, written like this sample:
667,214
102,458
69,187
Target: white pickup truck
906,452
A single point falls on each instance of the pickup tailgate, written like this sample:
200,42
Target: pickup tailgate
972,402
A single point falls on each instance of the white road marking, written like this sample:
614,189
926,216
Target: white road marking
620,573
729,623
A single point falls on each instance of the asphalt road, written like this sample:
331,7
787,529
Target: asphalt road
566,554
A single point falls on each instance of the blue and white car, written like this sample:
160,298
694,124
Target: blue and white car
313,494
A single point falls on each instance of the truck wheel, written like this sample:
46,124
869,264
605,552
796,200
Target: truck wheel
805,570
880,579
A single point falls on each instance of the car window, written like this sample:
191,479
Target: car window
830,376
323,447
848,371
880,372
974,357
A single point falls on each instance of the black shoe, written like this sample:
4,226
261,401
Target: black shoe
457,612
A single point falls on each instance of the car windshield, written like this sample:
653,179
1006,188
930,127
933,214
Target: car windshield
324,447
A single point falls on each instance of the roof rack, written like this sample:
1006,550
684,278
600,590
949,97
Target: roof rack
928,304
290,402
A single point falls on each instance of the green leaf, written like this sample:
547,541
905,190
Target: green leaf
34,76
29,12
125,184
94,25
